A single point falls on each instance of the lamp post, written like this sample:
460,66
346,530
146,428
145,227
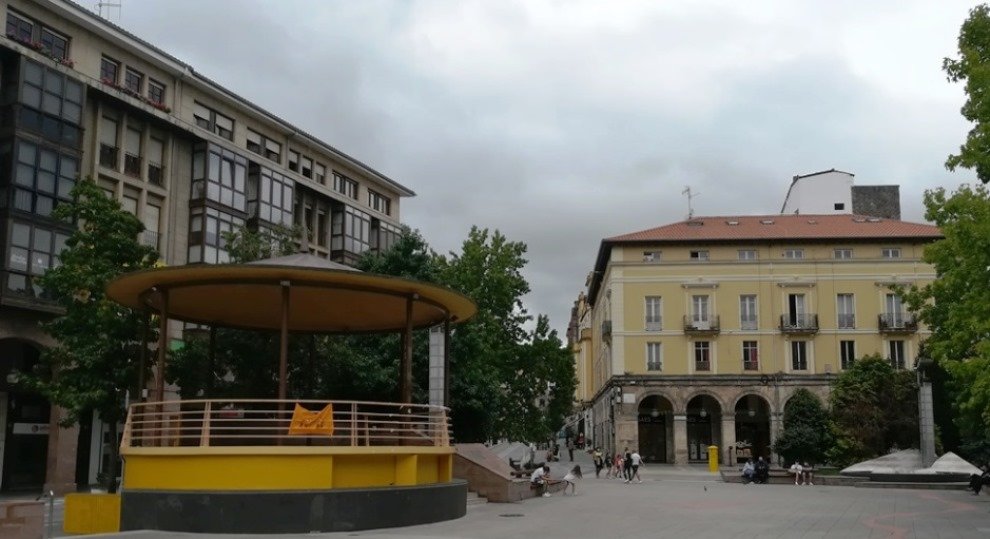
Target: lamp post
615,398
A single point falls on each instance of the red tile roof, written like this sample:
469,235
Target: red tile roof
781,227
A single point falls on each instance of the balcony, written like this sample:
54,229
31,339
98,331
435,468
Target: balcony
155,174
694,326
151,239
108,156
751,365
703,366
132,165
799,323
897,323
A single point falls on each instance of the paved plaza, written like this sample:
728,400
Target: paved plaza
685,501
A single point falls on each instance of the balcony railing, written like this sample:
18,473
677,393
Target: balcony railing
155,174
654,325
799,323
749,324
847,321
132,165
751,365
707,326
703,365
151,239
897,323
108,156
266,423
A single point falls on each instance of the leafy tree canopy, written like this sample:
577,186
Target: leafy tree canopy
973,67
807,434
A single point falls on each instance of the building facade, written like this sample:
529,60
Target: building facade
698,332
833,191
82,98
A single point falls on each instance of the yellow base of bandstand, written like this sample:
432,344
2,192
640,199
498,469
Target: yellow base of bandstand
284,468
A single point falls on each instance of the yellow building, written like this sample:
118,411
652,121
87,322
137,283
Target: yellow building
697,333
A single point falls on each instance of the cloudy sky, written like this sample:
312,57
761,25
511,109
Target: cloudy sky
561,122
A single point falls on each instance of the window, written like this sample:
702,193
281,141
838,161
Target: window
654,356
213,121
56,44
156,92
219,175
207,227
133,79
846,310
379,202
799,355
132,151
345,186
293,161
53,104
747,254
794,254
156,156
33,250
842,254
320,174
896,354
654,306
796,311
651,256
262,145
699,312
108,143
270,196
747,312
890,252
351,231
839,206
19,28
151,217
384,235
307,167
41,176
751,355
699,256
109,70
702,356
847,354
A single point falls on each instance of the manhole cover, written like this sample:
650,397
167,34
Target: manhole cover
511,515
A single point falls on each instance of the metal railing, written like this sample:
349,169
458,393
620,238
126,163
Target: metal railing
108,156
697,325
799,323
132,165
897,322
847,321
266,423
155,176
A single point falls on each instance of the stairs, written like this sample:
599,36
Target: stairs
473,498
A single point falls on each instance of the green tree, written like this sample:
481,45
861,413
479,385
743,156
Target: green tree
99,342
956,308
973,67
807,435
874,409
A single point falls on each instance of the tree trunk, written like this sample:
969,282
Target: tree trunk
112,467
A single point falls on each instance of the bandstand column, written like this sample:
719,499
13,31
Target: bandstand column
680,439
405,365
283,354
162,347
728,439
446,360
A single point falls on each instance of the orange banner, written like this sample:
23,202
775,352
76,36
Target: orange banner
308,422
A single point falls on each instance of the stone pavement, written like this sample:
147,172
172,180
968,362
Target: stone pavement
687,501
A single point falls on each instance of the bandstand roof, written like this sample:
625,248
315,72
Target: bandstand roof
324,297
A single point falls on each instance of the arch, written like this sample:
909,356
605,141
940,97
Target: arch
704,424
752,413
655,414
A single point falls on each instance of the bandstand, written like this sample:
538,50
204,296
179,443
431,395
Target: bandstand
288,465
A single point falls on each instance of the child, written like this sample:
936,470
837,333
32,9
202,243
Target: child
571,480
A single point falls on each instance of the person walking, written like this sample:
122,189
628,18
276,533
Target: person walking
627,465
596,456
570,480
636,460
617,465
570,449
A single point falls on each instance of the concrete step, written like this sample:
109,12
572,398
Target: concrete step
473,498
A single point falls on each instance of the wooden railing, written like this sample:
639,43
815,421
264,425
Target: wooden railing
265,423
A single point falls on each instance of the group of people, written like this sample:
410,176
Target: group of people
976,481
803,473
623,465
541,480
756,473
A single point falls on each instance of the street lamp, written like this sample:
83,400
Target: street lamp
615,398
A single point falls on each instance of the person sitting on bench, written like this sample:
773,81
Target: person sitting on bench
748,472
541,479
762,471
976,482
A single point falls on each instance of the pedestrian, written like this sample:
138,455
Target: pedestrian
627,465
635,461
809,474
570,449
540,479
797,471
617,465
570,479
596,456
748,472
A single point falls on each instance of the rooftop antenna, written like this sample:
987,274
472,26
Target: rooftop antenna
690,195
110,6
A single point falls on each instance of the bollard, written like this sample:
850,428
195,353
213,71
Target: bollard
51,513
713,458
